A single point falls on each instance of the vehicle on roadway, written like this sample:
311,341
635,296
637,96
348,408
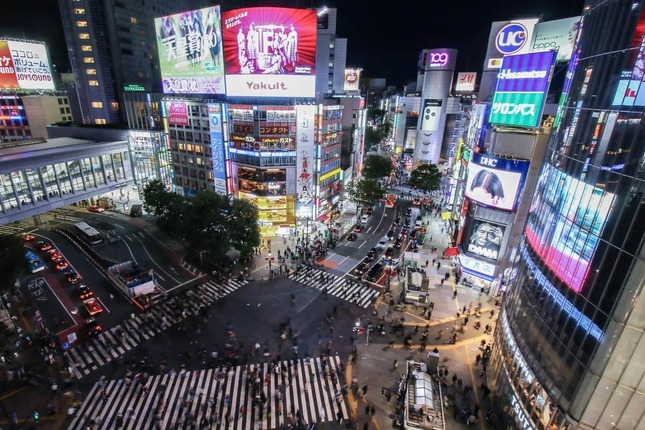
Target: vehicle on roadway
96,209
92,327
369,210
44,246
383,242
92,306
358,228
416,201
35,263
84,292
88,233
72,277
62,265
352,237
397,243
408,212
29,237
365,218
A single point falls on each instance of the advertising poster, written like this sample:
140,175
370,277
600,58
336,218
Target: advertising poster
477,267
306,116
270,52
24,65
177,112
466,82
522,83
431,114
565,224
559,35
190,52
630,90
485,239
478,119
495,182
217,147
508,38
352,78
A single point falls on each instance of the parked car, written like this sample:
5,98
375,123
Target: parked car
352,237
358,228
365,218
397,243
369,210
95,209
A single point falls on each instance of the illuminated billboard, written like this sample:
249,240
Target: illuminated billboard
565,223
190,52
431,114
24,65
305,134
352,77
508,38
177,112
485,239
494,181
217,147
466,82
522,84
559,35
270,52
630,90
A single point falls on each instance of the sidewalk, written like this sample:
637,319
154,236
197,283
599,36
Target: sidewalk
374,362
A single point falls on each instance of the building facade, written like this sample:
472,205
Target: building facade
570,337
27,116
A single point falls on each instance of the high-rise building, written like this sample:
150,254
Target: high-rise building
112,45
569,341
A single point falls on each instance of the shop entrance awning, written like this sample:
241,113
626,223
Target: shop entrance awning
451,251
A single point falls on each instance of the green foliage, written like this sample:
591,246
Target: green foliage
210,224
365,191
426,177
377,167
13,261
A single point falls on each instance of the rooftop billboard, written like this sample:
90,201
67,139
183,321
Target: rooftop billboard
24,65
270,52
559,35
190,52
522,83
508,38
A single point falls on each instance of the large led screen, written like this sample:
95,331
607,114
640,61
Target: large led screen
270,52
522,83
24,65
630,90
564,224
190,52
494,181
485,239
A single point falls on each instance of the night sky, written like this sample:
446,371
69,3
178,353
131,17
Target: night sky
384,41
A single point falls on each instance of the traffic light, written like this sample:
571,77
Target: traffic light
36,416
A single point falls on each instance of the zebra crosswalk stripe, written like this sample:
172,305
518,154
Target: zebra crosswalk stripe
107,346
306,385
340,286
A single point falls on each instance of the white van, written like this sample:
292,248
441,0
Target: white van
365,218
383,242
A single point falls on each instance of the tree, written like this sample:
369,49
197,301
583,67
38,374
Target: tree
13,261
244,228
426,177
365,191
377,167
166,206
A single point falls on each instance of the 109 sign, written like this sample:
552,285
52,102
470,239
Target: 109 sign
438,59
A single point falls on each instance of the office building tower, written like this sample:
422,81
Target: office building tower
569,341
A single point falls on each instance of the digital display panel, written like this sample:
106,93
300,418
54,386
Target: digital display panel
24,65
559,35
305,157
177,113
630,90
485,239
494,181
190,52
270,52
565,223
217,147
522,82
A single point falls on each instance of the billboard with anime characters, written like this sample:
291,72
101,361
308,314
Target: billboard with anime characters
270,52
190,52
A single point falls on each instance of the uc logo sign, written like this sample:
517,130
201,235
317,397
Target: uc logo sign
511,38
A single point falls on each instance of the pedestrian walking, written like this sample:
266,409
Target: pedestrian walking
395,364
454,294
364,390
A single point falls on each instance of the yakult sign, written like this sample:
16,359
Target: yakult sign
522,83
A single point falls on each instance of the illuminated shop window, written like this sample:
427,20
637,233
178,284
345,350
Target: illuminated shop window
90,71
114,106
84,36
93,83
97,105
81,23
89,60
100,121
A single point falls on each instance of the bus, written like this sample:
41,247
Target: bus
34,262
88,233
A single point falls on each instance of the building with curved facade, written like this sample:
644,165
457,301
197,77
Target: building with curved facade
570,340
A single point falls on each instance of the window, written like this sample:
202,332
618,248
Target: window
62,110
93,83
133,20
88,60
67,110
100,121
90,71
114,105
81,23
97,105
86,48
79,11
61,101
84,36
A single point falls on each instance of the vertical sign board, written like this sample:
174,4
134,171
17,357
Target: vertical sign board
431,114
217,147
466,82
306,115
522,83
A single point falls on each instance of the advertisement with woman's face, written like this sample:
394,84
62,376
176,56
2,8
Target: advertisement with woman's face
494,181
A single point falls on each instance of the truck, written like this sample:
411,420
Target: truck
132,279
